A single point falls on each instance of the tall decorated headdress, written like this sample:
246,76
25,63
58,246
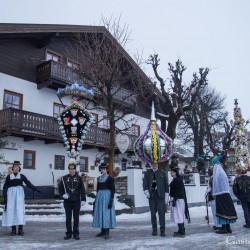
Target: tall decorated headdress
242,160
74,120
154,145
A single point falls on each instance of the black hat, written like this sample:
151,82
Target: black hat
175,169
104,165
16,163
174,155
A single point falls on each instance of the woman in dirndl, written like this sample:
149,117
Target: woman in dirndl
104,208
13,192
178,202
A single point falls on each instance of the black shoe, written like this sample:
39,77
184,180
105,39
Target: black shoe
223,230
154,233
177,234
229,230
246,226
106,235
13,231
20,230
163,234
101,233
67,237
76,237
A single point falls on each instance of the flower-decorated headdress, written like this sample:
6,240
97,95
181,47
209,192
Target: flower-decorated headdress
154,145
74,121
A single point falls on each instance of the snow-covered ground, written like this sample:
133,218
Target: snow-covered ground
133,231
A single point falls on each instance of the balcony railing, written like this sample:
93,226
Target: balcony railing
32,125
63,75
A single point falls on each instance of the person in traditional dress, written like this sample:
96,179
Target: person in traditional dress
155,187
225,210
104,208
14,210
210,199
72,190
178,202
241,189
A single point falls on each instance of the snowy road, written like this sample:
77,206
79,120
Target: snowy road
133,232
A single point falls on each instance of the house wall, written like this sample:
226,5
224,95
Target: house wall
41,101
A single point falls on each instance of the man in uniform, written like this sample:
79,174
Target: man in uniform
241,189
155,187
72,190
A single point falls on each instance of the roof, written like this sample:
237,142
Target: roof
15,28
29,29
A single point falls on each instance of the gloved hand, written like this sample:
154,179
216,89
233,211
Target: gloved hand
174,203
110,203
166,198
65,196
83,203
146,192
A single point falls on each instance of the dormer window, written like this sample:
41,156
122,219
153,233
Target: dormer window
73,64
50,55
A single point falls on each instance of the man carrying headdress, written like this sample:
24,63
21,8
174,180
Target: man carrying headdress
155,187
72,190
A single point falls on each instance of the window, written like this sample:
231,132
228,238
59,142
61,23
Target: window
12,100
135,130
57,108
60,162
124,166
52,56
73,64
29,159
84,164
106,124
95,119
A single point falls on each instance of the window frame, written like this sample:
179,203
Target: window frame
6,91
53,53
55,161
58,105
33,153
106,123
135,128
74,63
86,163
96,119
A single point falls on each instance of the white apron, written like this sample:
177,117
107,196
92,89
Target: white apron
177,213
15,212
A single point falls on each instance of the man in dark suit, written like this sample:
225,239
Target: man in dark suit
241,189
155,187
72,190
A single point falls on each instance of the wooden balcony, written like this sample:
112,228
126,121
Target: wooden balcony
33,126
55,75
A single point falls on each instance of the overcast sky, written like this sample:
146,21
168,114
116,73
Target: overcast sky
202,33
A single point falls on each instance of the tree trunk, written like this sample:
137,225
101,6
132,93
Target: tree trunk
111,150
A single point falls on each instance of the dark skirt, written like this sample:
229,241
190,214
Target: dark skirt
225,207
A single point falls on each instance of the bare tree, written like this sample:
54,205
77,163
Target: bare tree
201,123
178,98
199,127
118,82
